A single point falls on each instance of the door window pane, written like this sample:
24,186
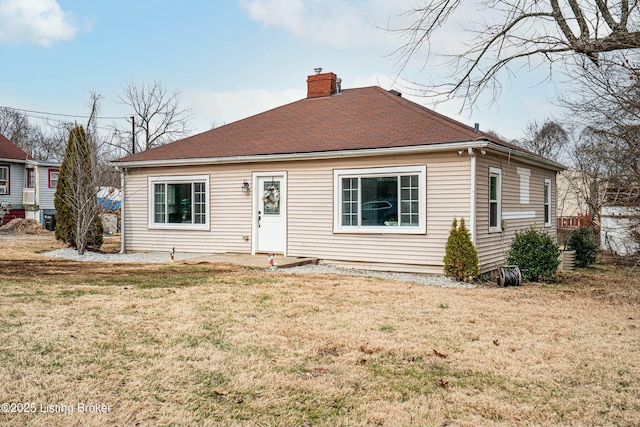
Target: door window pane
271,197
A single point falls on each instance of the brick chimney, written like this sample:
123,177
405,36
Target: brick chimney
321,84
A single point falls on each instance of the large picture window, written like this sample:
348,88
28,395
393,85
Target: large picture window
381,200
179,202
495,199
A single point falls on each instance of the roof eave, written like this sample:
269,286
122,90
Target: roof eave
527,157
302,156
7,160
427,148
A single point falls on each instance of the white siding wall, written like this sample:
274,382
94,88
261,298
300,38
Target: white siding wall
45,194
16,182
492,247
310,212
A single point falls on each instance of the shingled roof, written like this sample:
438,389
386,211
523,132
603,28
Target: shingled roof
353,119
10,151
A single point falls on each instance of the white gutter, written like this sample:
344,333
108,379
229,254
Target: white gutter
3,160
472,197
526,157
431,148
306,156
42,163
122,211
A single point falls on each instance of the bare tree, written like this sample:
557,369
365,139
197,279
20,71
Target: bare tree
39,143
518,34
607,104
78,223
159,118
547,139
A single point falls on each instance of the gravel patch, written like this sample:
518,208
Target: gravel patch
160,257
152,257
421,279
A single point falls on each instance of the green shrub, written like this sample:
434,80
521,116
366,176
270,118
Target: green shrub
583,242
77,220
536,253
461,257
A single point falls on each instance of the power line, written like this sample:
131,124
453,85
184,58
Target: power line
65,115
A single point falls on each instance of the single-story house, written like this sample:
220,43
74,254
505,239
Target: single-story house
27,186
360,177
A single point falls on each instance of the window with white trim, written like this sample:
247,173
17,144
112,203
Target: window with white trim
380,200
31,178
53,177
547,202
495,199
179,202
4,179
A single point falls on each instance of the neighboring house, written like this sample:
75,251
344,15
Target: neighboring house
27,186
620,221
579,198
358,177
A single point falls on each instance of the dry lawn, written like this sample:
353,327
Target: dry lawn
208,344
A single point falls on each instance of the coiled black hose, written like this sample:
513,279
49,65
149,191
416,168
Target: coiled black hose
509,276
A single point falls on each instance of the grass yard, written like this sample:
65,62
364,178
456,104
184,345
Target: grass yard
178,344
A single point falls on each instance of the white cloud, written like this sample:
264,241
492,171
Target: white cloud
212,108
337,23
36,22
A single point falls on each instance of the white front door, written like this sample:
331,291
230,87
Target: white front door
271,212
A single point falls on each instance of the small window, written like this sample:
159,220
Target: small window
495,200
382,200
31,178
179,202
4,179
547,202
53,178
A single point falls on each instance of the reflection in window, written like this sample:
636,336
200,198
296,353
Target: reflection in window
179,203
388,199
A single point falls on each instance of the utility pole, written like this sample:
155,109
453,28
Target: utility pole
133,135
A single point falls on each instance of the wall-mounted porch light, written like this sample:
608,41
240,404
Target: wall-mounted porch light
245,187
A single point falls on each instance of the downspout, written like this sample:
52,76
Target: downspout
122,210
472,196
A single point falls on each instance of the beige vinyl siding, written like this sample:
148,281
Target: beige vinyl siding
229,209
310,212
492,247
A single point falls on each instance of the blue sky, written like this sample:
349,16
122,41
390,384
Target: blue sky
228,59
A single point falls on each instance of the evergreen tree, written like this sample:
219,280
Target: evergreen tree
461,257
77,220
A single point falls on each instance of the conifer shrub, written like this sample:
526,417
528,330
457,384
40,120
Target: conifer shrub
75,179
584,243
461,257
536,253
